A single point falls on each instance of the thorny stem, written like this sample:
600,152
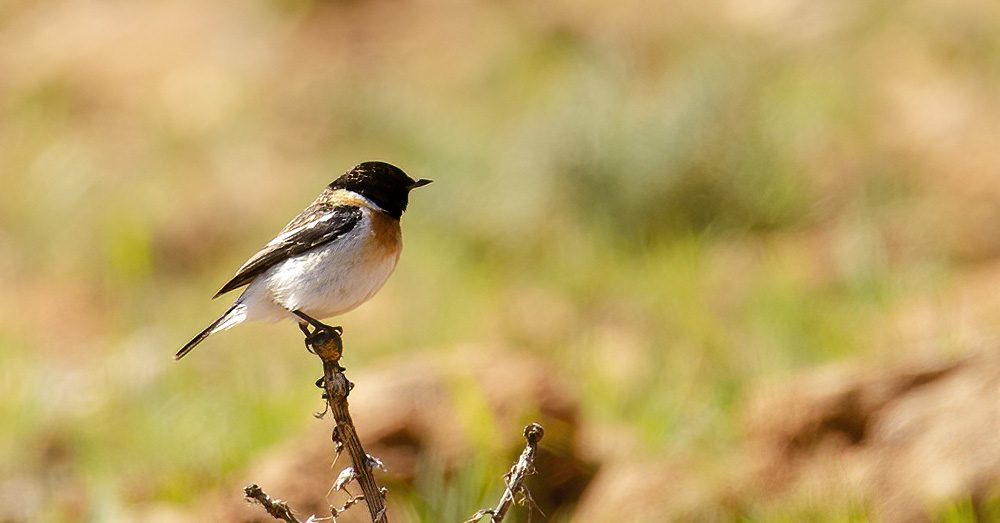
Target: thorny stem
337,387
275,507
326,343
525,465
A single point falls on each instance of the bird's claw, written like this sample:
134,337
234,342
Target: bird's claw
323,335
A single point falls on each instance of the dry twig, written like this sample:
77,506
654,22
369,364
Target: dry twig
329,348
326,343
275,507
515,478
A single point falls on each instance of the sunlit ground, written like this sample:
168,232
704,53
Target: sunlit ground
667,202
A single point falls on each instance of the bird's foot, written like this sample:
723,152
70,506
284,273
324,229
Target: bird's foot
321,334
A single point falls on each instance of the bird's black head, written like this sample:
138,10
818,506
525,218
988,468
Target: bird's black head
385,185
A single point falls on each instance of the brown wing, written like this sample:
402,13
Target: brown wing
314,227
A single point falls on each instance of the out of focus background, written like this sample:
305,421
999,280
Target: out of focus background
742,259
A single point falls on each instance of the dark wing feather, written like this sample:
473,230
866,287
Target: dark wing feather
317,225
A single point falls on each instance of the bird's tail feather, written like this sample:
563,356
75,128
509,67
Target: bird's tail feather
235,315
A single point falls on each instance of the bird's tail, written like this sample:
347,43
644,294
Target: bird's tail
235,315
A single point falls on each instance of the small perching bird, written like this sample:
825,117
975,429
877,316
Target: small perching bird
334,256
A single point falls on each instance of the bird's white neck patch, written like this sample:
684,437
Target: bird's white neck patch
354,197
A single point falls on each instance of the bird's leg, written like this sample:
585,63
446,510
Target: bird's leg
304,327
317,343
321,334
316,323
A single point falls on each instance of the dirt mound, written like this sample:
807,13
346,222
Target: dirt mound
910,441
901,444
420,409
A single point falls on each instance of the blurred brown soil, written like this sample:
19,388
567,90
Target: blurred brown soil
905,440
909,440
423,409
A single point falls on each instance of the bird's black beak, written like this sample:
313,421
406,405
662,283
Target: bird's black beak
420,183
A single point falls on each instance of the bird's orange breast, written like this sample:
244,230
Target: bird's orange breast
386,239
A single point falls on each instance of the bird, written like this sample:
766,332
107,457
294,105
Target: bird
332,257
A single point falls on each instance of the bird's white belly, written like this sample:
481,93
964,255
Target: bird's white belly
324,282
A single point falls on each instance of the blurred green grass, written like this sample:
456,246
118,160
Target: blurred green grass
668,201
